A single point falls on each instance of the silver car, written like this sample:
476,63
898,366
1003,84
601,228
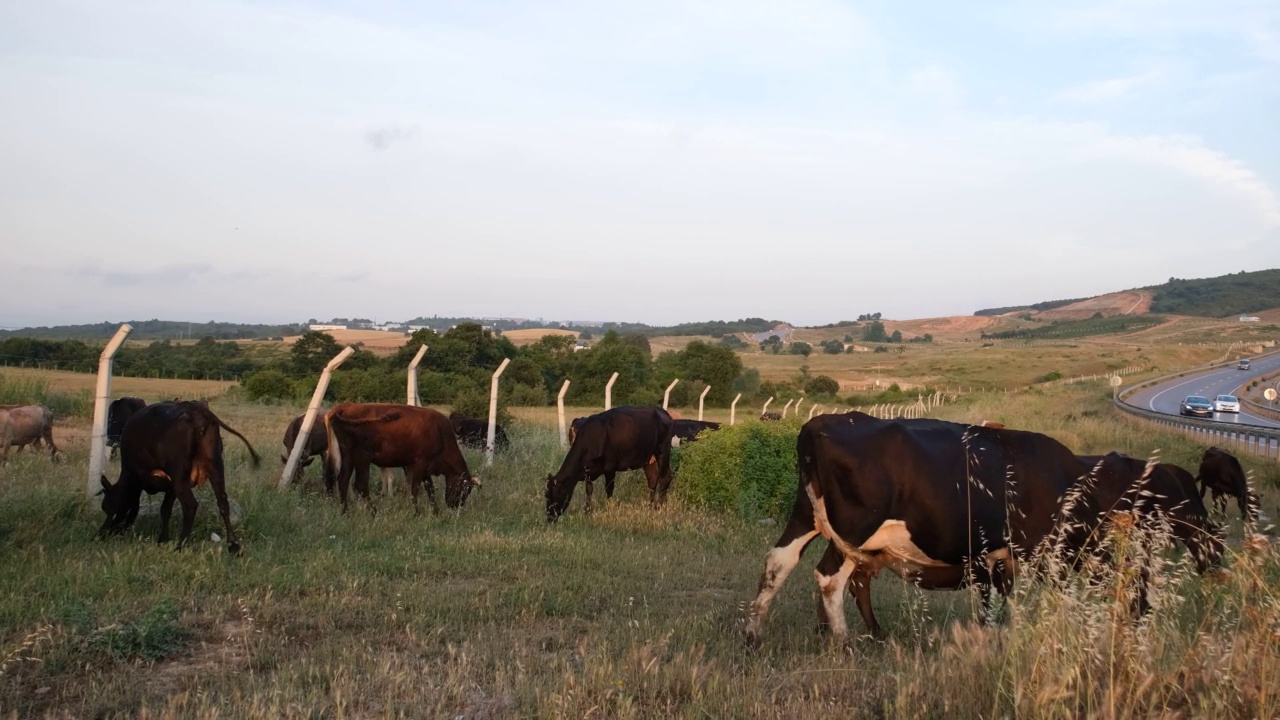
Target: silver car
1226,404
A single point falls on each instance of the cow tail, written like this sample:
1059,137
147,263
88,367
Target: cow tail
333,454
252,453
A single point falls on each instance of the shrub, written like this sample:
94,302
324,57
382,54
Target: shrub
475,403
822,385
1049,377
747,469
269,385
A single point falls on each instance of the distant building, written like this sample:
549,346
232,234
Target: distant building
859,348
1248,318
581,345
319,326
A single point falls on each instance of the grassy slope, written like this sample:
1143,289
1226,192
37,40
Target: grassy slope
625,613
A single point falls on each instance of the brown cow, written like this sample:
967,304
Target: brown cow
23,425
418,439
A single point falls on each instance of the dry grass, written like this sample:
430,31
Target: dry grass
626,613
149,389
520,338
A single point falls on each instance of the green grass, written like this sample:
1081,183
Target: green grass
490,612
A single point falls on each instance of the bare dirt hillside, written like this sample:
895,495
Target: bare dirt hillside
373,340
1126,302
954,328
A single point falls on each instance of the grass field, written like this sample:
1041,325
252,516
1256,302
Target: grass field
627,612
149,389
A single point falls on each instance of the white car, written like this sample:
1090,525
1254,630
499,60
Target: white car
1226,404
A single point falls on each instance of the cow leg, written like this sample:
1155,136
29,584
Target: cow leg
860,586
778,564
609,484
651,479
166,513
388,476
590,484
187,497
48,437
431,492
224,507
362,483
832,589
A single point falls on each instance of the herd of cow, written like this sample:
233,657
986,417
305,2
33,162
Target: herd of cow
944,505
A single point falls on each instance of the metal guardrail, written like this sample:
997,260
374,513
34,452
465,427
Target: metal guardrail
1263,442
1260,441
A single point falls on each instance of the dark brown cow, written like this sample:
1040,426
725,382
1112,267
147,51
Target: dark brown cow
118,413
688,430
770,416
317,441
418,439
1222,475
169,447
474,432
623,438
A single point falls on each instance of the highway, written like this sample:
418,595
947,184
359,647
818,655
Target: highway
1167,397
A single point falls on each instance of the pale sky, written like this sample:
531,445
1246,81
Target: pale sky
652,161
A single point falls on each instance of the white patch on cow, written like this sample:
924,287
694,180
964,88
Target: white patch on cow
831,588
893,538
778,564
675,441
388,476
1003,554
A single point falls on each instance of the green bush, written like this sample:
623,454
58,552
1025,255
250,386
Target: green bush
822,385
269,384
747,469
475,403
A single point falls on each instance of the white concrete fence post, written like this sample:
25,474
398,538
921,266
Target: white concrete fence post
666,396
811,409
101,401
564,432
787,407
798,404
411,387
608,392
702,399
493,411
765,409
309,419
733,409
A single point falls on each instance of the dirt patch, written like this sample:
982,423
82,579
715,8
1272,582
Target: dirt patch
225,646
1126,302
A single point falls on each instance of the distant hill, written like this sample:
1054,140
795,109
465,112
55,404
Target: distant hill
1242,292
157,330
1048,305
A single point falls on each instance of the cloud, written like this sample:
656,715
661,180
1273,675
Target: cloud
384,137
1102,90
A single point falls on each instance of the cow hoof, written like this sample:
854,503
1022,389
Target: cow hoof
234,549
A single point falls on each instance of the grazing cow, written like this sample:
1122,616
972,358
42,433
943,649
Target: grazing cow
169,447
624,438
474,432
24,425
1221,474
771,416
317,446
1150,492
118,413
687,430
418,439
317,441
941,504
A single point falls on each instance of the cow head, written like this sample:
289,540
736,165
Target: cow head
457,488
113,505
558,496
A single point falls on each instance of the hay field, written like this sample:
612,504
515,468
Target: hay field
149,389
624,613
521,338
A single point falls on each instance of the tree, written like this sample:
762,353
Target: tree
733,342
801,348
772,344
311,352
874,332
832,347
822,385
896,337
638,340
